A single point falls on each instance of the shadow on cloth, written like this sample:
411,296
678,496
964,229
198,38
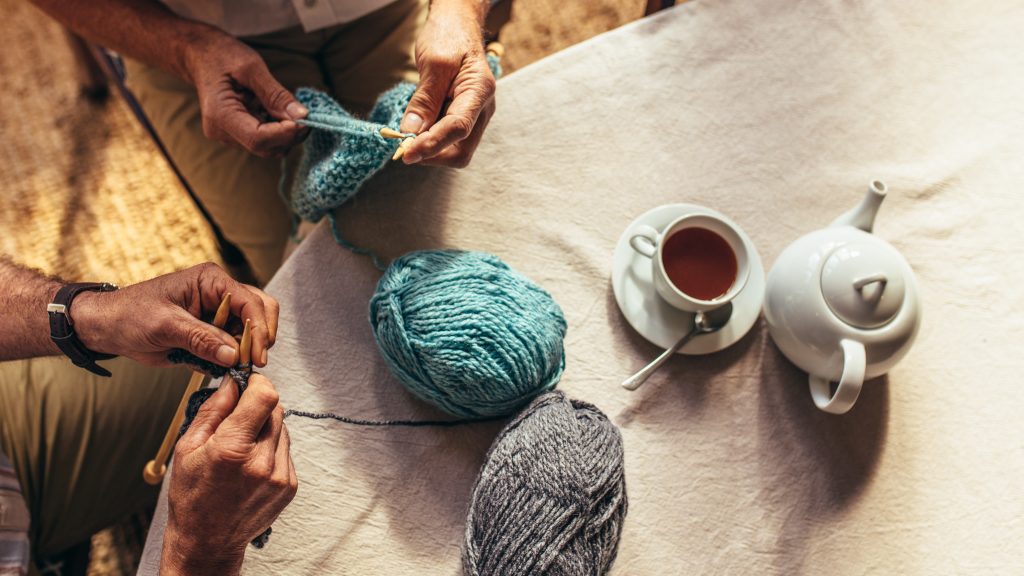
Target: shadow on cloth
814,465
677,392
390,219
421,478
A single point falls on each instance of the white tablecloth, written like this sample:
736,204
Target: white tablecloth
777,114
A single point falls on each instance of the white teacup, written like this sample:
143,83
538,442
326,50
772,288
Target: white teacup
651,243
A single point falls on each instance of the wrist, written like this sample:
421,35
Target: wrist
196,44
185,555
468,11
89,314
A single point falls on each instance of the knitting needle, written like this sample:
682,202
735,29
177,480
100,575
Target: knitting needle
245,346
496,49
401,149
155,469
395,135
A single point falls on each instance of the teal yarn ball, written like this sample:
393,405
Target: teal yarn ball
465,332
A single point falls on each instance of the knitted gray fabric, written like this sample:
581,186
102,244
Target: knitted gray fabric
551,497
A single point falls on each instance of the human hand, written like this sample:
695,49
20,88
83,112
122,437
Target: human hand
146,321
241,102
452,64
233,475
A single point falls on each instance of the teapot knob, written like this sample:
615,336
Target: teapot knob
860,283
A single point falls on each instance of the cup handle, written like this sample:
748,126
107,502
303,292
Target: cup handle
854,365
645,240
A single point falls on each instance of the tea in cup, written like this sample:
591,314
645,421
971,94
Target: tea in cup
699,262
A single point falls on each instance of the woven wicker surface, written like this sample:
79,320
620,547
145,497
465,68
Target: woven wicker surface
86,195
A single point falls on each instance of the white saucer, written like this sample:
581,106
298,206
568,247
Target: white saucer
654,318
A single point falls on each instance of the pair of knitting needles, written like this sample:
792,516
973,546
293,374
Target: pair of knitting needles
156,468
494,48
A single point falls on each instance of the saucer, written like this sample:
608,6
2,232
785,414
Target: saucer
655,319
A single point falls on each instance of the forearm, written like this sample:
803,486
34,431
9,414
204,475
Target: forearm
24,295
142,29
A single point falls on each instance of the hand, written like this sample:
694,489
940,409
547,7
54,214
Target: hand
241,102
233,475
148,320
452,65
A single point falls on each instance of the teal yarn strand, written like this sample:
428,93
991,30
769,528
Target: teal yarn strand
465,332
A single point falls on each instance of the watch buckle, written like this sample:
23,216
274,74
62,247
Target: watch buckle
59,309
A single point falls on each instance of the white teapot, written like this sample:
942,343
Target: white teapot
842,304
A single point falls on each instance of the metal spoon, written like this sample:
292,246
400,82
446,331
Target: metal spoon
703,323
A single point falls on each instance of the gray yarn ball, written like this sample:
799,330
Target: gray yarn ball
551,497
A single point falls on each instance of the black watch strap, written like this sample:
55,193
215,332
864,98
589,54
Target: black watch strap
62,329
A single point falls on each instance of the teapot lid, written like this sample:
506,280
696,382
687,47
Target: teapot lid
863,283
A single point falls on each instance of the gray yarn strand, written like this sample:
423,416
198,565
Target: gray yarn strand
551,496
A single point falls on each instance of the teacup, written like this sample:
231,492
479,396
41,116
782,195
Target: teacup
699,262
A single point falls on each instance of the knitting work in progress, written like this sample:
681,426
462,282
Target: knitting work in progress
465,332
343,151
551,496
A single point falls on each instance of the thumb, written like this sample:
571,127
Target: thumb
204,340
426,103
277,100
210,415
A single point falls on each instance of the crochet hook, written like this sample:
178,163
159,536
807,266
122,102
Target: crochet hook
155,469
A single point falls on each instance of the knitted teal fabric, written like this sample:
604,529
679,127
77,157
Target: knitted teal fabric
343,151
465,332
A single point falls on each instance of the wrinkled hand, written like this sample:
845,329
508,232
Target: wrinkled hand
148,320
233,475
453,66
241,102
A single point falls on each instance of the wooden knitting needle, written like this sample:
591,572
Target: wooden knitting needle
402,148
245,346
155,469
395,135
496,48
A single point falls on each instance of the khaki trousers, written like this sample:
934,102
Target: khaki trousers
78,442
354,62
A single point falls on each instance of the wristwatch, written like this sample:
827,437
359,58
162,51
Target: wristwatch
62,330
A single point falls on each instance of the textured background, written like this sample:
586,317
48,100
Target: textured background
84,193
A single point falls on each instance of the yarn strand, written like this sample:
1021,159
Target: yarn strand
389,423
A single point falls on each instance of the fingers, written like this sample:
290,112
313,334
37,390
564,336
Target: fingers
245,423
210,415
179,329
278,101
425,105
459,154
264,139
272,309
268,441
247,302
473,92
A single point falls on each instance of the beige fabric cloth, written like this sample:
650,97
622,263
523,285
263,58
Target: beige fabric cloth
776,114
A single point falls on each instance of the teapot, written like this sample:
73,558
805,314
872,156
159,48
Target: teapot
842,304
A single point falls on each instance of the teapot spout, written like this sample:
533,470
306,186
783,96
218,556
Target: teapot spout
863,215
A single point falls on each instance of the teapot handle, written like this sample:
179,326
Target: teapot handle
854,365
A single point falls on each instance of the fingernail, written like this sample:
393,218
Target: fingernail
263,357
226,355
296,110
412,123
412,158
